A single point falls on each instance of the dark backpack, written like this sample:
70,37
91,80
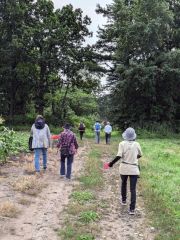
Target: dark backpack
66,147
81,126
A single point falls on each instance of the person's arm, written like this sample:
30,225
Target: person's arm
114,161
139,151
119,154
75,143
49,136
59,141
31,132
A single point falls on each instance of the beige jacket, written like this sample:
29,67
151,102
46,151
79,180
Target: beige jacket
128,151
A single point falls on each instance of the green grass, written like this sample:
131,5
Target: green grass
161,184
88,216
83,209
93,175
82,196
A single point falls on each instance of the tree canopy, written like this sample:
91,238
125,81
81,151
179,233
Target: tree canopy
141,44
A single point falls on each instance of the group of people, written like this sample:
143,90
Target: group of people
129,152
97,129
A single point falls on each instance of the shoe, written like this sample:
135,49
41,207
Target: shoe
62,176
123,203
68,179
131,212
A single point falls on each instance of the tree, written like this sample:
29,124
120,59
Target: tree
141,36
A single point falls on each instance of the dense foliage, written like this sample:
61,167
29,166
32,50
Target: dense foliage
140,43
42,54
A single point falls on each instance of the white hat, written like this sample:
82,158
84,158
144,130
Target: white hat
129,134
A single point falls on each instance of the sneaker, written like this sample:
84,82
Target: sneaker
123,203
62,176
131,212
68,179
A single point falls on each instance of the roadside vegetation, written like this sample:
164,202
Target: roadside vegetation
161,184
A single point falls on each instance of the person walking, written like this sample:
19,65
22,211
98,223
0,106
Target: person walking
81,129
129,152
41,141
97,129
68,146
107,130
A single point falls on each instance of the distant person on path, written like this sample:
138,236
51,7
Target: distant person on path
129,151
97,129
68,146
107,130
81,129
41,141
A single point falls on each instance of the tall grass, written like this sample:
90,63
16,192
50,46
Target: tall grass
161,184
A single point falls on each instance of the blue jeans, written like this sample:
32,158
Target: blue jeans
69,165
37,152
97,136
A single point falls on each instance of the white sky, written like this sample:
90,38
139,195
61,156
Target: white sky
88,7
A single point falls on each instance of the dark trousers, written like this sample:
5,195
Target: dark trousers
81,134
63,170
108,136
133,181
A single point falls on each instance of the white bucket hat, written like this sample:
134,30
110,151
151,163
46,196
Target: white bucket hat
129,134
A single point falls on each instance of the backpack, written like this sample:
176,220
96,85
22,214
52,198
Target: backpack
97,127
81,126
66,147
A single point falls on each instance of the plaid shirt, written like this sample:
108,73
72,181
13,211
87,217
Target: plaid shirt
68,138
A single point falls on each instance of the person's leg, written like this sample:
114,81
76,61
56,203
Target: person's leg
106,136
36,159
44,152
81,134
98,137
62,165
109,137
124,187
69,166
133,181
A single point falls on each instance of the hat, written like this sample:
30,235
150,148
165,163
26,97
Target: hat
67,126
129,134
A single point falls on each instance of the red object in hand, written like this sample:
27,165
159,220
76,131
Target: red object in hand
55,137
106,166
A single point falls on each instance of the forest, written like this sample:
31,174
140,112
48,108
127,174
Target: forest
46,66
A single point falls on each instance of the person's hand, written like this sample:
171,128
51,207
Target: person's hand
110,164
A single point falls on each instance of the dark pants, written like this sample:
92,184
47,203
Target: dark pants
133,181
69,165
108,136
81,134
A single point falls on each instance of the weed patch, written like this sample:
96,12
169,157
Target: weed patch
8,209
82,196
89,216
28,184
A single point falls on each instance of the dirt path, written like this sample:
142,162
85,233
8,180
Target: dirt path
118,224
40,219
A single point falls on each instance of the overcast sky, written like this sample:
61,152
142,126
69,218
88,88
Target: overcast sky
88,7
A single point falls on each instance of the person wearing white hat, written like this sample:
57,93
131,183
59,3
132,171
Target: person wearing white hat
129,152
